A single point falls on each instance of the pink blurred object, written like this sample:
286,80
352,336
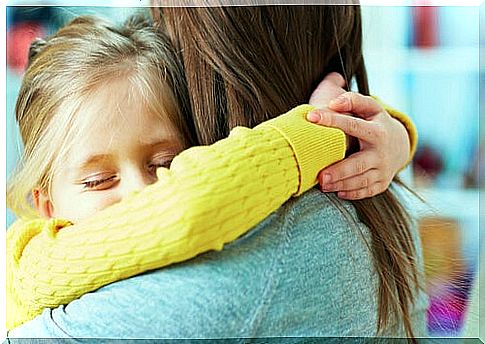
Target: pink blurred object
19,37
427,164
448,304
425,21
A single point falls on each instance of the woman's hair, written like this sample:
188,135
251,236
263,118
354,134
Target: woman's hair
66,69
245,65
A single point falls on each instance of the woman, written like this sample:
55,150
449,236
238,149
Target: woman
218,54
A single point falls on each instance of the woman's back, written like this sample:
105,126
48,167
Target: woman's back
304,271
326,283
243,65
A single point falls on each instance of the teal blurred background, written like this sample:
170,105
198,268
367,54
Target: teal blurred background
423,61
426,62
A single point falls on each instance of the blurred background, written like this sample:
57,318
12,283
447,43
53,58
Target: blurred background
423,61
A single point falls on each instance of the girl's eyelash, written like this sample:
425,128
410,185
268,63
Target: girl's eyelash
165,162
162,164
89,184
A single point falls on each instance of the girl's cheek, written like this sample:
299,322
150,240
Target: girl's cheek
90,204
104,201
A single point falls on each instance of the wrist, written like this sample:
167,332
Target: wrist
404,145
409,127
314,146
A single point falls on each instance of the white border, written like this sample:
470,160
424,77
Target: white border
3,95
140,3
136,3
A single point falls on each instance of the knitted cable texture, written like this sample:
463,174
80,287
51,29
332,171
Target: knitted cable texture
210,196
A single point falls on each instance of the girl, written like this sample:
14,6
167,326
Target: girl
101,113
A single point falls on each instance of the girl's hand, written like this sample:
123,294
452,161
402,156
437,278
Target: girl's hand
327,90
384,146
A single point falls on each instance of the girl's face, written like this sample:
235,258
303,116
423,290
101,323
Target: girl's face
119,153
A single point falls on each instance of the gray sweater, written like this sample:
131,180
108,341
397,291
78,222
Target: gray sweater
304,271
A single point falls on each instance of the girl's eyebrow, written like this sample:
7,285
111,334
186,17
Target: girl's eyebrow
157,142
91,160
163,144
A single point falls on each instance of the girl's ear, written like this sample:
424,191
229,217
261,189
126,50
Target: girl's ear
42,203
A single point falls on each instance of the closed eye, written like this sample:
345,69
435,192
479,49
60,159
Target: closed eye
100,183
160,161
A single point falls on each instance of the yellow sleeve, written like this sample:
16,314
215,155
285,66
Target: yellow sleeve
408,124
210,196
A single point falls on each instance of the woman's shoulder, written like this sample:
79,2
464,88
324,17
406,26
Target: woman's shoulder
316,214
315,203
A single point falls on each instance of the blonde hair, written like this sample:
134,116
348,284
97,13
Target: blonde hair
65,70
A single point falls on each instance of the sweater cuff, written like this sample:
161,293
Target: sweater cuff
315,146
408,124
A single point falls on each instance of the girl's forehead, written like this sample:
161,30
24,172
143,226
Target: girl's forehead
117,113
106,115
116,130
114,101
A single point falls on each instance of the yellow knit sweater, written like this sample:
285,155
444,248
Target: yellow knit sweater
210,196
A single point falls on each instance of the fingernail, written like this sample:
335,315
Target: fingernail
327,178
339,101
342,194
313,116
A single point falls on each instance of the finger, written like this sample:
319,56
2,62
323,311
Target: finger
362,106
335,78
354,165
362,193
363,180
365,130
328,89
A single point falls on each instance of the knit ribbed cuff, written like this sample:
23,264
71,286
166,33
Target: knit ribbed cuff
315,146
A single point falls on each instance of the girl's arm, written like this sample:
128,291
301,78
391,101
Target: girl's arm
210,196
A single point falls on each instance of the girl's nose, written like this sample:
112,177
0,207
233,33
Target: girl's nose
136,180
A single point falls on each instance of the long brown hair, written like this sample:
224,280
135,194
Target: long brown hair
245,65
